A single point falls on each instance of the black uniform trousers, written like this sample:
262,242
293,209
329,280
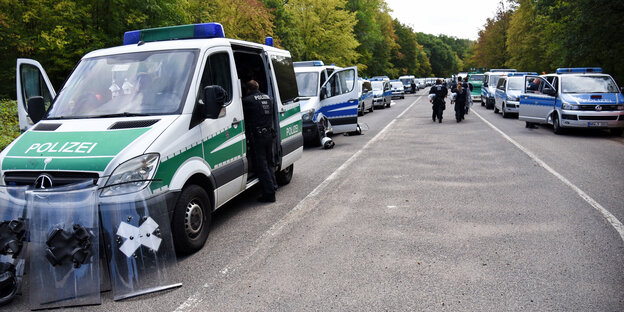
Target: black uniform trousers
262,148
438,110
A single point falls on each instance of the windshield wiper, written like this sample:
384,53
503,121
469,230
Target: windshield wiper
124,114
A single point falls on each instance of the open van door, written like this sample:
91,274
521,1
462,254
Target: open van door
31,80
339,100
537,100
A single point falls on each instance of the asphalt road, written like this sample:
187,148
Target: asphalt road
420,216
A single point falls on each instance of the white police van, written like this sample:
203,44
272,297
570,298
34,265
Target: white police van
156,116
508,90
490,81
328,96
408,83
365,97
573,98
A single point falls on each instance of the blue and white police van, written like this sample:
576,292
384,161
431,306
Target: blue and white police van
382,92
490,81
582,97
365,97
328,96
508,90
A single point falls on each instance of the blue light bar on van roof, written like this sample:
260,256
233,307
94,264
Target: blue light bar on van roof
500,70
521,74
308,63
578,70
206,30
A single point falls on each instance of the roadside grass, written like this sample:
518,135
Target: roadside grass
9,129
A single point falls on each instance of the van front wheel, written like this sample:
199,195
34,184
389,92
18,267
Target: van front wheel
191,220
284,176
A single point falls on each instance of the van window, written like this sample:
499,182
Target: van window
501,84
340,83
218,72
285,76
34,85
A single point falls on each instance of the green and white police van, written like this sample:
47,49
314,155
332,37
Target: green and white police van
161,115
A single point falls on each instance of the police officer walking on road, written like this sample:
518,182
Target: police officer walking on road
468,87
461,97
439,105
258,109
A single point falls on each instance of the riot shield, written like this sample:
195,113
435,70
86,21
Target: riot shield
137,234
13,234
64,248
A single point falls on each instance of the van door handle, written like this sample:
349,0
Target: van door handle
235,122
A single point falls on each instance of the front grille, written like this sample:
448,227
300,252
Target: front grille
621,117
598,117
16,178
570,117
593,107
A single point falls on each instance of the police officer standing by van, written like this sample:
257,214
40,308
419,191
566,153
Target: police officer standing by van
258,110
440,92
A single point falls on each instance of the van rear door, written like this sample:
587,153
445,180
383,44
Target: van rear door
31,80
339,100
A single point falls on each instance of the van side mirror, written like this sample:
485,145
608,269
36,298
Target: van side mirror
215,99
36,108
549,91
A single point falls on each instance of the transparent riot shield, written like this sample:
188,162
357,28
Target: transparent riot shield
13,234
64,247
137,234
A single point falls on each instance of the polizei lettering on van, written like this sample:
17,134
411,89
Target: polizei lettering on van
67,147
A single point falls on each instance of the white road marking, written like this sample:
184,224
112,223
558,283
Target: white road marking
191,303
617,225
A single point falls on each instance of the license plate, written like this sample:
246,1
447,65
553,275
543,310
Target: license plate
596,124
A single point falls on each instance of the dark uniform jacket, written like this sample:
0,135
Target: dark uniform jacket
440,91
258,110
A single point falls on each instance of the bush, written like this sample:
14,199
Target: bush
8,120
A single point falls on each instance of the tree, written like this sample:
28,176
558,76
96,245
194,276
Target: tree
491,47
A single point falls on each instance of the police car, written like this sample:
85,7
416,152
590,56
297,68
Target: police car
382,92
365,97
408,83
161,116
573,98
490,81
328,99
508,90
398,91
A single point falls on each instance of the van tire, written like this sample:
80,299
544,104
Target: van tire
284,176
191,220
372,108
496,111
556,126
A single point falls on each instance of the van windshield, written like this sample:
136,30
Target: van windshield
515,84
145,83
588,84
307,83
406,81
476,77
377,85
493,80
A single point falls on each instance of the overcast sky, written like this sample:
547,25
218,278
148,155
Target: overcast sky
457,18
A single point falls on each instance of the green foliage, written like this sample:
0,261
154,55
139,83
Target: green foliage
542,35
10,124
58,33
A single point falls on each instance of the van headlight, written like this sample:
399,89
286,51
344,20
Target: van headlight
132,175
308,115
569,106
512,98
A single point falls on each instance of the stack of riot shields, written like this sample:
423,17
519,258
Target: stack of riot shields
80,244
13,241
